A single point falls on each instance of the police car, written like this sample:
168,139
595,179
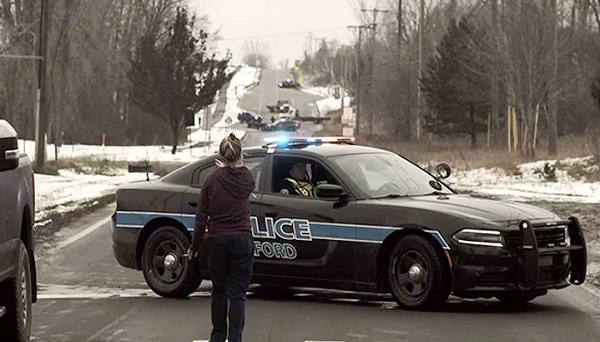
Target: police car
378,223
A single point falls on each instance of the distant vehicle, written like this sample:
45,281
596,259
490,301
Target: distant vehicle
18,288
255,122
289,83
377,222
278,107
245,117
282,125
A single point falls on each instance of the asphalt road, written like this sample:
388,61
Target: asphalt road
86,296
267,93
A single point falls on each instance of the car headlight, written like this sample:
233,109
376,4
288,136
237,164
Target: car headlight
490,238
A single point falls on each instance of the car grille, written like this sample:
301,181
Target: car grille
546,237
493,279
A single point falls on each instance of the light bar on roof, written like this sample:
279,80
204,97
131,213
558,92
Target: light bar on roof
312,140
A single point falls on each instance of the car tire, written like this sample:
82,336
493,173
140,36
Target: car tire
16,295
180,277
417,274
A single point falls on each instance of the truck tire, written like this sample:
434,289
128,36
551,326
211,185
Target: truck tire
16,295
417,274
167,272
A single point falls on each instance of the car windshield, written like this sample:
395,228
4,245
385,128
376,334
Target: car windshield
381,175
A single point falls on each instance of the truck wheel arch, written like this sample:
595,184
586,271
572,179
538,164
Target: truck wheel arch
28,237
149,228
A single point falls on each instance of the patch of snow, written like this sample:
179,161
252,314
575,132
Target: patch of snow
67,190
317,91
329,103
527,184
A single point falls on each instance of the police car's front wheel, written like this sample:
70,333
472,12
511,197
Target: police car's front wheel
417,275
166,269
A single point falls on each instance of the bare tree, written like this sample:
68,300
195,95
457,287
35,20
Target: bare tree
255,54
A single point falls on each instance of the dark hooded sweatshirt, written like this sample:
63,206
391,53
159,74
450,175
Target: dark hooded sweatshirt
224,204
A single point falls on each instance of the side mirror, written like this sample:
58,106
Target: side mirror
329,191
443,170
9,147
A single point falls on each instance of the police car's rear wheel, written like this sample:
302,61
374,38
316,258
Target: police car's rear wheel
166,270
418,277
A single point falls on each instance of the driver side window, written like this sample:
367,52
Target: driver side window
254,165
308,173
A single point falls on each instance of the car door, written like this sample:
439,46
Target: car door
303,237
191,196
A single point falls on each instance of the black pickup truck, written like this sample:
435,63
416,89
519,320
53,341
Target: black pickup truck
18,287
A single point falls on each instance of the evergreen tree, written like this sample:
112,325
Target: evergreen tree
175,77
456,84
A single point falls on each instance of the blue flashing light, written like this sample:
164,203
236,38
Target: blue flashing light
286,141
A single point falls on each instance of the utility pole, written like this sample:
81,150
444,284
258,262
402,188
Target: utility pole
399,61
358,72
375,11
419,94
42,98
552,127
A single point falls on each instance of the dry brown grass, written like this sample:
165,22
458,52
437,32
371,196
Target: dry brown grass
457,152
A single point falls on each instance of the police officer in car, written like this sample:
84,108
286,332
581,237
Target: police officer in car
298,183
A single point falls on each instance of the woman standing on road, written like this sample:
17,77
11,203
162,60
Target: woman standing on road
224,205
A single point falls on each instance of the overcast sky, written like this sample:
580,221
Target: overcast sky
282,24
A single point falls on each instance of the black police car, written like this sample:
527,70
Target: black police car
288,83
282,124
378,223
246,117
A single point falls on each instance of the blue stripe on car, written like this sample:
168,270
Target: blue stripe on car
319,230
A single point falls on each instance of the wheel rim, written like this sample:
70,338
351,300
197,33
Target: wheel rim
411,274
167,262
24,295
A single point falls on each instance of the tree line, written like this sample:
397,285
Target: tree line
511,74
131,69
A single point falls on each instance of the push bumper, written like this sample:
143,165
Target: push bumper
527,267
533,255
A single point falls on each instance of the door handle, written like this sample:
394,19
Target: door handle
193,204
271,213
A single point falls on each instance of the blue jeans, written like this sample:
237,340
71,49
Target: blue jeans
230,261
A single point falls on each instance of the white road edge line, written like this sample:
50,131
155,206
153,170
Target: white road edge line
109,326
85,232
591,289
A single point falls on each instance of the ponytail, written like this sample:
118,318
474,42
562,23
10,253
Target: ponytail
230,149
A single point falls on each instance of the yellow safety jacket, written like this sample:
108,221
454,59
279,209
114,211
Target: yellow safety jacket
302,188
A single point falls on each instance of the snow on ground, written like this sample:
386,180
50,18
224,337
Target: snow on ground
329,103
528,184
68,190
243,79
